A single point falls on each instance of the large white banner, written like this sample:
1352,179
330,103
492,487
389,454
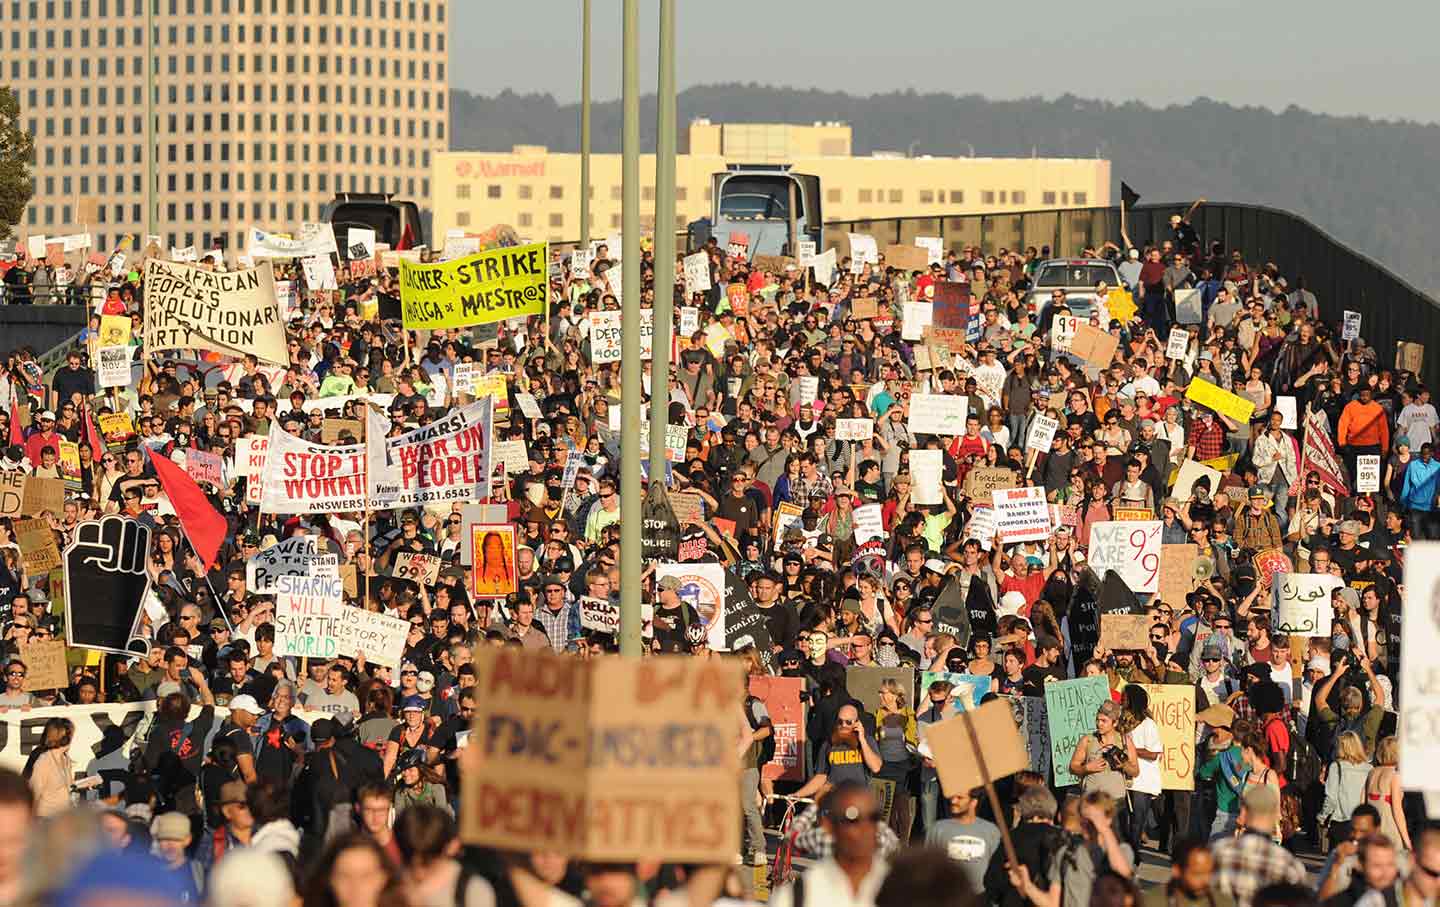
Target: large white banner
230,312
300,477
1419,694
314,239
938,414
1129,547
443,462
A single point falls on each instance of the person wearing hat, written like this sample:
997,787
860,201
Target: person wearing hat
1256,527
44,436
244,713
171,834
1223,766
412,733
672,615
235,828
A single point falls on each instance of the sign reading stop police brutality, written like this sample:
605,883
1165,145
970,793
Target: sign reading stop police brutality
477,289
1129,547
443,462
301,477
231,312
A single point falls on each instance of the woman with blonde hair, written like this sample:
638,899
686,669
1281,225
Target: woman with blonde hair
1384,792
896,733
1345,784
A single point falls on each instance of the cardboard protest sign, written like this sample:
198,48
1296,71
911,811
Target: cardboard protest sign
773,264
416,567
863,307
1409,356
864,683
981,482
38,548
45,667
1131,549
1303,603
229,312
938,414
493,285
43,495
1177,572
332,429
1070,707
907,258
781,696
1021,514
952,742
1093,346
1222,401
1125,631
689,507
1172,706
301,477
446,461
604,761
12,492
295,556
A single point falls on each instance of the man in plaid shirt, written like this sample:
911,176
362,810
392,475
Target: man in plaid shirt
1247,863
557,615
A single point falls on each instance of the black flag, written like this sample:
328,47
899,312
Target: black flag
1129,198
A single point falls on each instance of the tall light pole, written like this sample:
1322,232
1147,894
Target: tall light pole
585,125
664,240
630,372
150,168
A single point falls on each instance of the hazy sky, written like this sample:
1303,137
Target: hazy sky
1369,59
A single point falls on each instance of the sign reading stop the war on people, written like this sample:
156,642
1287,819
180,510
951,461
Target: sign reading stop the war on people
609,760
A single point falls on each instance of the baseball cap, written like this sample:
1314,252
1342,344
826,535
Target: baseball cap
234,791
412,704
171,827
246,703
668,584
323,729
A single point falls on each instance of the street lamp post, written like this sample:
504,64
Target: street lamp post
630,372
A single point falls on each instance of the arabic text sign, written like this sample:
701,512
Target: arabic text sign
1129,547
638,755
1021,514
1302,603
477,289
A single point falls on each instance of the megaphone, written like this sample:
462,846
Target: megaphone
1204,566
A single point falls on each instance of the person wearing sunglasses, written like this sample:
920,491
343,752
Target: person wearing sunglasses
850,754
854,842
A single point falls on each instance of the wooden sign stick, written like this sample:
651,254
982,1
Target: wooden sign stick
990,788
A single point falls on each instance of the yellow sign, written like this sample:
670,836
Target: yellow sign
1224,464
1220,400
114,330
1172,705
1121,304
477,289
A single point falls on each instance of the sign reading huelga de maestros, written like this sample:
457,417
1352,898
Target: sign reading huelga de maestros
477,289
443,462
231,312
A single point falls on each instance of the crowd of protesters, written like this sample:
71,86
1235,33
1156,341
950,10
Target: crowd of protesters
1295,752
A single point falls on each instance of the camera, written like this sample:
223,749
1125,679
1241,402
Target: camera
1114,757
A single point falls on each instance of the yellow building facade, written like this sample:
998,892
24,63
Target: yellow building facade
537,191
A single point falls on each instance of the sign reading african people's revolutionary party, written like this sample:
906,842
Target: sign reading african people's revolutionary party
230,312
477,289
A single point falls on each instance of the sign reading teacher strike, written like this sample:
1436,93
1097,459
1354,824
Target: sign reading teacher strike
477,289
606,760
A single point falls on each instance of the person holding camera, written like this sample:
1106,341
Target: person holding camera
1105,760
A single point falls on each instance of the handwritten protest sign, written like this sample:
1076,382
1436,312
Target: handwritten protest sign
689,507
296,556
1172,706
927,469
43,495
1021,514
907,257
599,614
499,283
333,430
854,429
869,522
982,482
45,667
12,491
204,466
952,743
416,567
605,340
697,273
1302,603
938,414
38,547
234,312
1070,706
1177,572
1419,670
1131,548
1041,434
1125,631
596,741
1036,726
310,620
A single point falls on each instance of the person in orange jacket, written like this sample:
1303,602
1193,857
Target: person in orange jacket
1364,428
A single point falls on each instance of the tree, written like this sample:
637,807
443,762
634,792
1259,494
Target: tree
17,152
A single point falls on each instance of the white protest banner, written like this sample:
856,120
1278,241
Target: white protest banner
113,366
1302,603
605,336
315,239
823,266
927,470
287,293
1042,433
1062,332
938,414
230,312
1129,547
1419,670
1367,473
807,387
319,272
1021,514
361,241
301,477
854,429
307,610
915,317
1289,418
869,523
1350,330
689,320
599,614
416,567
934,247
1178,344
444,462
295,556
697,273
863,248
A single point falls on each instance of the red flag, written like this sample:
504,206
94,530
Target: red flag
17,434
204,526
407,239
92,436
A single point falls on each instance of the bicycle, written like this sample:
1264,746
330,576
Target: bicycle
782,868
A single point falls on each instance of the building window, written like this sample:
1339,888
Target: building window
1080,198
957,196
492,191
866,196
833,196
525,219
1047,198
462,190
1002,196
680,193
557,191
557,220
614,221
462,218
927,197
1017,197
614,193
897,196
526,191
987,197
